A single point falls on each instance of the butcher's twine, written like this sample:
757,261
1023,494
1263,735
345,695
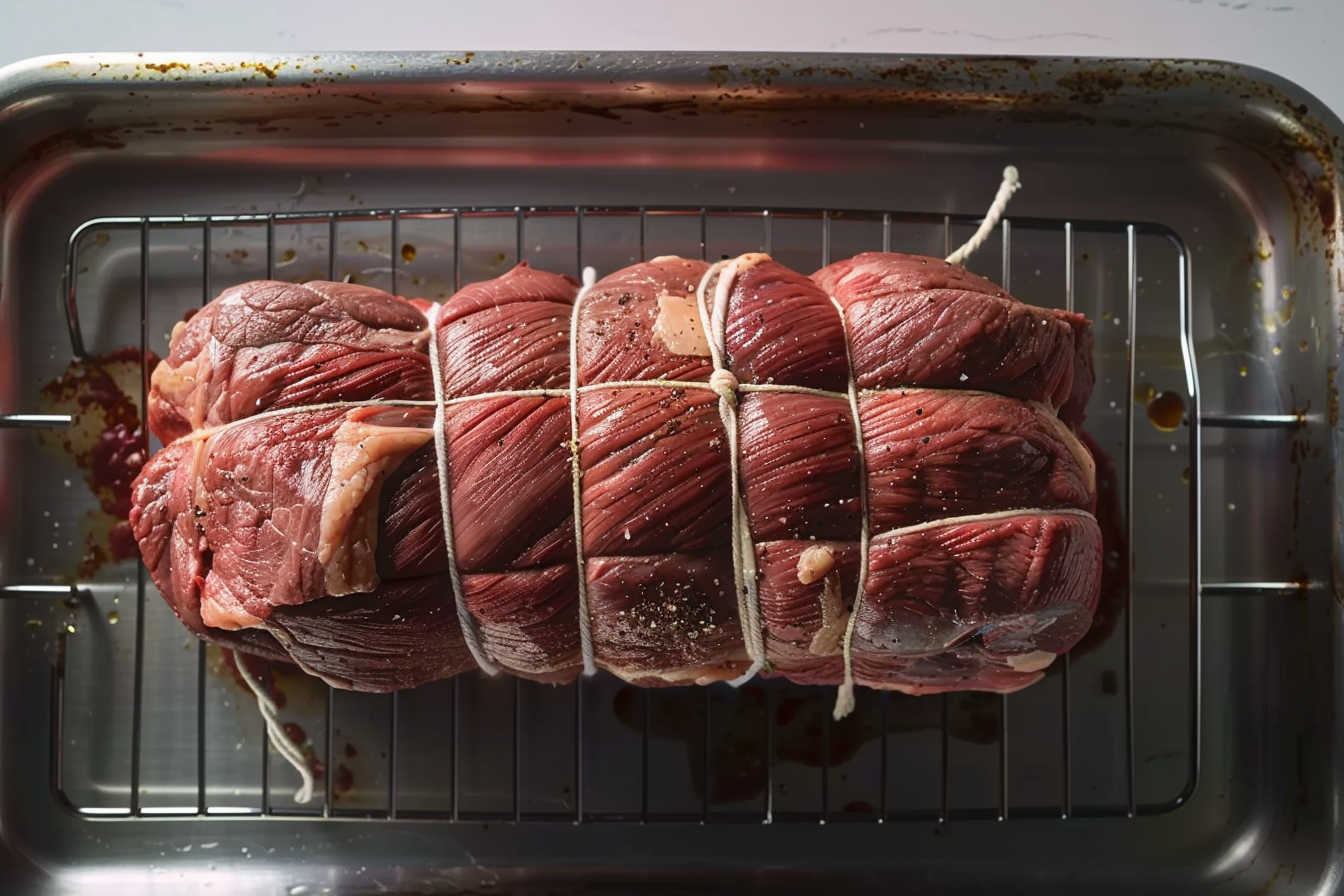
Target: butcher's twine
471,632
713,320
844,698
270,713
576,476
1010,185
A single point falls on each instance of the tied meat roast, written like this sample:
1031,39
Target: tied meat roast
295,509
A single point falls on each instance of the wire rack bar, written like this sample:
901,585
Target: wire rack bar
137,707
945,791
202,797
517,749
34,421
1006,229
1196,541
1131,340
579,740
329,755
1252,589
1253,421
393,754
1066,661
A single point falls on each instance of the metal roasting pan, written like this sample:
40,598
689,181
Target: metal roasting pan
1190,208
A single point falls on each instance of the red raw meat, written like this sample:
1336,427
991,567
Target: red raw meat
268,344
924,322
296,512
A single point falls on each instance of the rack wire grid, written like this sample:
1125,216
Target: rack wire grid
149,722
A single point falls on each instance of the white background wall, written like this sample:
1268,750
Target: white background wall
1298,39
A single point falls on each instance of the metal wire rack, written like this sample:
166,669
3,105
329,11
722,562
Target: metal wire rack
745,761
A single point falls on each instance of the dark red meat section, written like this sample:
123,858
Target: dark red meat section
296,514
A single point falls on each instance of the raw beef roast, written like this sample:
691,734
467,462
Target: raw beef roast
313,466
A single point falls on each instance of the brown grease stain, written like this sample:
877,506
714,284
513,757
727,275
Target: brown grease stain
344,780
1331,397
270,71
104,439
1110,683
294,731
802,732
1324,195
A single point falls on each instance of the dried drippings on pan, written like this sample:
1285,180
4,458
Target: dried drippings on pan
1285,306
802,731
1301,450
1090,88
1331,397
1109,683
106,442
271,71
343,782
59,144
1326,203
165,67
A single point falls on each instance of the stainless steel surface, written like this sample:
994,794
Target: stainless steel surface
1230,184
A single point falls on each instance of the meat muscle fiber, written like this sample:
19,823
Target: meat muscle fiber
296,509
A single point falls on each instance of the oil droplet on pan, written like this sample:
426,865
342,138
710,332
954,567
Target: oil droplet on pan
113,618
408,252
1166,411
1144,393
